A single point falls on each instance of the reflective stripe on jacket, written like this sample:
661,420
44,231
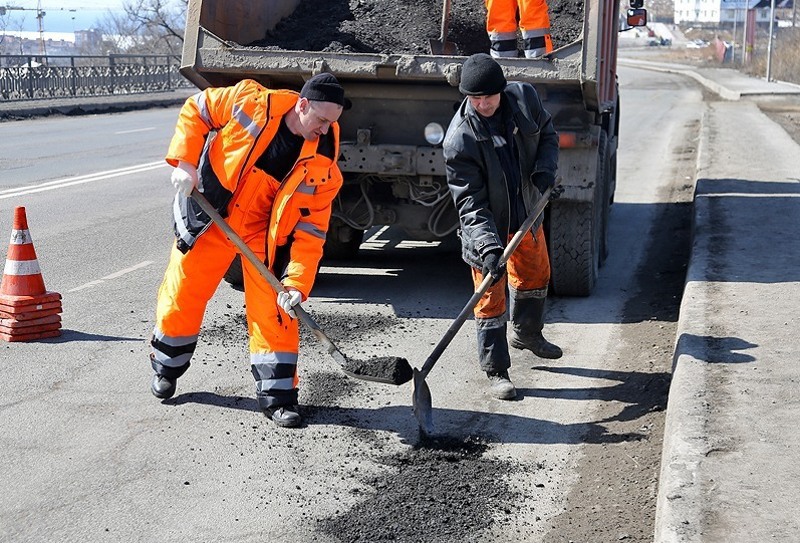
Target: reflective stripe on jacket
224,131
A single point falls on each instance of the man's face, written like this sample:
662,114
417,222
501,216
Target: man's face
316,117
485,105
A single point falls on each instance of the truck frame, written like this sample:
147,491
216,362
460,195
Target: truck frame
393,175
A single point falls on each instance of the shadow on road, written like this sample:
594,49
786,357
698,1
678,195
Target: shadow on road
715,350
494,428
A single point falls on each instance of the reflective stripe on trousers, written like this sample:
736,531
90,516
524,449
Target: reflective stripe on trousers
191,280
502,25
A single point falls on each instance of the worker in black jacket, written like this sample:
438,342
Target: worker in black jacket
501,154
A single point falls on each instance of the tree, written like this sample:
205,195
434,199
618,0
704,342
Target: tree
145,27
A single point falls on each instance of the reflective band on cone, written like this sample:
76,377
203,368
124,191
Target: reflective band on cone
27,310
21,273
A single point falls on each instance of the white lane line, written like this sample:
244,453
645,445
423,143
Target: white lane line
79,180
87,285
136,130
111,276
120,273
327,270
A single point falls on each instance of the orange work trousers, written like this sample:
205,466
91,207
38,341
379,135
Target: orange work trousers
528,268
504,17
191,280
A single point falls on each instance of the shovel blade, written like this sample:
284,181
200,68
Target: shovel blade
421,400
440,47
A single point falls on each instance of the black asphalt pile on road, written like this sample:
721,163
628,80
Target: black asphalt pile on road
388,369
421,493
448,490
389,26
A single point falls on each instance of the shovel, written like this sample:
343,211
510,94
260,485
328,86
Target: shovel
421,398
442,46
390,369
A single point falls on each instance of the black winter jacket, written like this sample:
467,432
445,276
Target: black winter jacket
475,176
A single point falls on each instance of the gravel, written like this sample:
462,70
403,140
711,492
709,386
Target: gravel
380,26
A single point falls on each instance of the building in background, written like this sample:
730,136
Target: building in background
88,39
724,12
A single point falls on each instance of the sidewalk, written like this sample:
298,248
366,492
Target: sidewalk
730,468
726,82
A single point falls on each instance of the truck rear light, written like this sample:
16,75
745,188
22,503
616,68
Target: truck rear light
567,140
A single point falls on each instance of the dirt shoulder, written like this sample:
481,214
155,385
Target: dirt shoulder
785,112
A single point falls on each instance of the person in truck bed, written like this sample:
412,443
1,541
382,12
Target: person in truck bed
504,17
266,160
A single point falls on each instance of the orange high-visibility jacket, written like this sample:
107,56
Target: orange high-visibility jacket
223,131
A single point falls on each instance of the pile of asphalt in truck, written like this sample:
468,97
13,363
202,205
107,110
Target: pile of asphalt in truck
390,26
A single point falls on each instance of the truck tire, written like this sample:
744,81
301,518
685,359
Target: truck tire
234,276
342,241
574,247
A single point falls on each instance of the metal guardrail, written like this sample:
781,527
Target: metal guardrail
38,77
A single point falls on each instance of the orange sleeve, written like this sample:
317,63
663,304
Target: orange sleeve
203,112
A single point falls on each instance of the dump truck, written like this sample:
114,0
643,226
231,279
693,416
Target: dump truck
391,154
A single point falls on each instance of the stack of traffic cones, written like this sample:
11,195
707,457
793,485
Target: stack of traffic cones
27,310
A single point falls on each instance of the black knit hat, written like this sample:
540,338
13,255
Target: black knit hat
481,75
325,87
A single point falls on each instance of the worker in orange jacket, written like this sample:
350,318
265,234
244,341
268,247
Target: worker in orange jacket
266,160
503,19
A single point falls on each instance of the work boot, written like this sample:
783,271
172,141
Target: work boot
286,416
162,387
501,386
165,378
537,344
527,316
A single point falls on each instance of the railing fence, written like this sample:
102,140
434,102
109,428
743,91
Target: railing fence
36,77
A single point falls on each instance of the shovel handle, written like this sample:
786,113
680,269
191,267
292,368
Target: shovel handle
445,21
484,286
248,253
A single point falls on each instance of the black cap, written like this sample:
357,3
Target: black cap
481,75
325,87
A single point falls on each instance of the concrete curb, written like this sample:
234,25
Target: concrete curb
677,517
729,466
750,87
707,83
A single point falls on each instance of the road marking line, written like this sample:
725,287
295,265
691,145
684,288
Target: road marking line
120,273
114,275
136,130
86,285
389,272
79,180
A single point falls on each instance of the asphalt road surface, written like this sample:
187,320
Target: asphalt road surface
88,454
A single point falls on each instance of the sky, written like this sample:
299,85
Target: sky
58,15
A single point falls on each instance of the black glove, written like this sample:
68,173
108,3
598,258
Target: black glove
491,266
545,180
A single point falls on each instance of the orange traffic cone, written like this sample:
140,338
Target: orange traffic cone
27,310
